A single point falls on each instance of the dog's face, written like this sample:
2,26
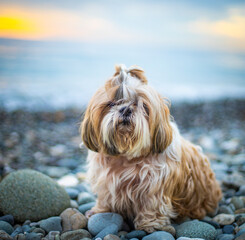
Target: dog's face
126,117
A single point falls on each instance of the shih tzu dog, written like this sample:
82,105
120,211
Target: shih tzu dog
139,165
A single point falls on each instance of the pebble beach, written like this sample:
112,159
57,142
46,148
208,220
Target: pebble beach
48,199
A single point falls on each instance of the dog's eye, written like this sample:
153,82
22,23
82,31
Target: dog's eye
146,109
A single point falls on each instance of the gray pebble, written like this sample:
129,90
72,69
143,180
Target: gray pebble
75,235
85,197
111,237
196,229
98,222
5,226
8,218
39,230
237,202
225,209
159,235
111,229
72,192
136,234
241,232
5,236
85,207
53,235
33,236
51,224
186,238
20,236
225,237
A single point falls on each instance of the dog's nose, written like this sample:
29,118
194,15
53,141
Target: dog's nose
125,111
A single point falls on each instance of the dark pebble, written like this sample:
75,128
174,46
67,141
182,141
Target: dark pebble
213,223
225,209
240,220
5,236
136,234
5,226
17,231
241,237
51,224
241,232
85,207
8,218
73,193
228,229
39,230
225,237
111,229
26,228
20,236
33,236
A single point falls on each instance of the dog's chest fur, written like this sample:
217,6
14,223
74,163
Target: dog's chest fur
129,183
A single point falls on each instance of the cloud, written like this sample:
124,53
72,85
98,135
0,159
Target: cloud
228,32
57,24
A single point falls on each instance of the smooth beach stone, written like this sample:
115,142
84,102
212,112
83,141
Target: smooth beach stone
73,204
20,236
28,194
240,219
239,233
17,231
85,197
72,192
5,236
240,211
5,226
111,237
196,229
85,207
225,237
224,219
53,235
51,224
136,234
72,219
213,223
186,238
111,229
33,236
225,209
99,221
159,235
8,218
75,235
242,237
228,229
39,230
237,202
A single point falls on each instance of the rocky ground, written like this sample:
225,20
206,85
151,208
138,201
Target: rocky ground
49,142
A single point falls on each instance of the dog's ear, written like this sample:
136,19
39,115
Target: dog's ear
162,130
88,133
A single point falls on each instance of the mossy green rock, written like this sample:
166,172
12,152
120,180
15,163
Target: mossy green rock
28,194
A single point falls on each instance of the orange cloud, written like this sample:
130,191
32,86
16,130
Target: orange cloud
224,33
35,24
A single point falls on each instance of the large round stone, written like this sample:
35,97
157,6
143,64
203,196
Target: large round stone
196,229
28,194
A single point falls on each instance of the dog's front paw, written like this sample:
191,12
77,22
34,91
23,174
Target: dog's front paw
89,213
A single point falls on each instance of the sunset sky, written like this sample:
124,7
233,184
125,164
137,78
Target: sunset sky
208,35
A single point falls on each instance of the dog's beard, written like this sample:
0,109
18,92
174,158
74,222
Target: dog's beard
129,137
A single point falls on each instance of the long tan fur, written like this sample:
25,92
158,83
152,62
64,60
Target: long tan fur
141,167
